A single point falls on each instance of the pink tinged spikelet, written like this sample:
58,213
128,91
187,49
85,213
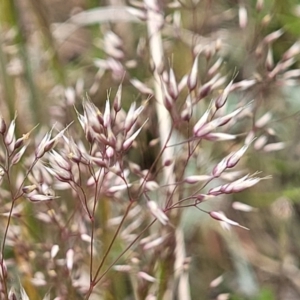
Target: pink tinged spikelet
213,69
128,142
47,143
242,207
112,46
225,119
270,38
291,74
243,17
40,151
106,115
260,142
250,136
219,82
259,5
2,126
132,116
280,67
70,95
153,243
221,100
10,135
59,173
141,87
274,147
157,212
17,157
122,268
202,121
54,251
241,184
292,51
193,76
146,276
117,188
60,160
269,60
216,282
207,87
24,296
243,85
200,131
220,216
12,295
99,161
20,141
41,197
173,88
220,168
151,185
168,100
230,176
206,129
235,157
137,13
70,259
86,238
263,120
118,99
237,185
187,113
29,188
109,151
219,136
74,153
182,83
223,296
197,178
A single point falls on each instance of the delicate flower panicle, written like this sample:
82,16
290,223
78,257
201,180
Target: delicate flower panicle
109,193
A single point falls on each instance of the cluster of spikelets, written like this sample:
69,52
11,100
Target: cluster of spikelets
99,168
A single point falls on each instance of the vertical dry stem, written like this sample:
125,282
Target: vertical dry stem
154,24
